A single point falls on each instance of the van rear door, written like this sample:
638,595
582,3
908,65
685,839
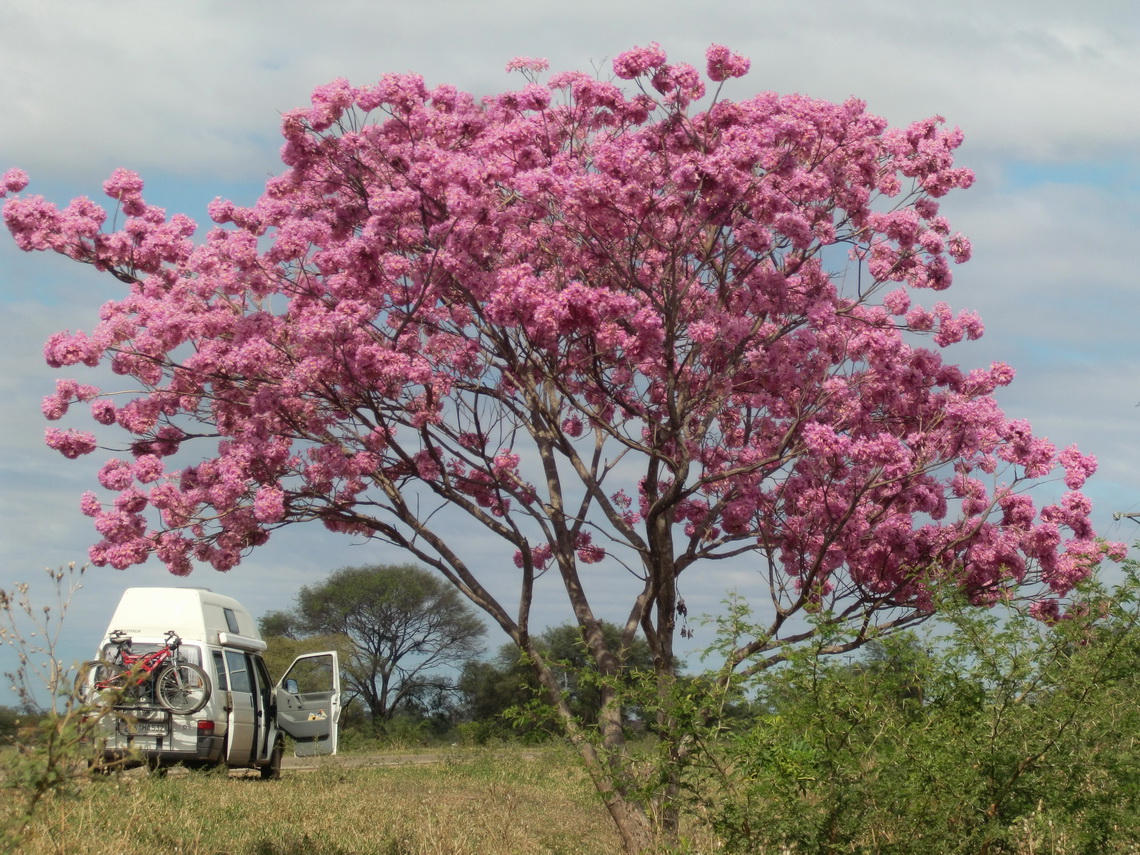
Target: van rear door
308,703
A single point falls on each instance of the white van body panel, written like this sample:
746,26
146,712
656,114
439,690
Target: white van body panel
196,614
243,722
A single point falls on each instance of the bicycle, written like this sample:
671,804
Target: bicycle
180,687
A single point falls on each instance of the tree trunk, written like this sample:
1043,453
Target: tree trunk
637,837
633,823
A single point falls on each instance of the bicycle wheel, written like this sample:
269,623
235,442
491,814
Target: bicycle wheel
95,680
183,688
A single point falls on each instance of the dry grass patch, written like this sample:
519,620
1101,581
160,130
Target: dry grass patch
468,804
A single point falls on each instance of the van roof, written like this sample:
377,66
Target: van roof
196,614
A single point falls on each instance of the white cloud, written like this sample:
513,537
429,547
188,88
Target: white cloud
196,88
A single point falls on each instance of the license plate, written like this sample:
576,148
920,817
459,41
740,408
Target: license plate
143,728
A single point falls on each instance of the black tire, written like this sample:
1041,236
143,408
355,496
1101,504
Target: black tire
94,674
272,770
183,688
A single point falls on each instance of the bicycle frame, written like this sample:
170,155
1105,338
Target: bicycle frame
141,667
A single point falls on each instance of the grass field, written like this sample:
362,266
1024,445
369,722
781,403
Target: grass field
470,802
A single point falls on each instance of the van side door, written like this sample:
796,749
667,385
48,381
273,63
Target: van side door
308,703
241,712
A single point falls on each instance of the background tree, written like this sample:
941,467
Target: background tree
489,690
285,642
278,624
402,625
608,327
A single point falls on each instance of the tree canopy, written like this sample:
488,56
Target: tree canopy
626,332
403,625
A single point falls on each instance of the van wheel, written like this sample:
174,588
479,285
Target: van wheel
271,771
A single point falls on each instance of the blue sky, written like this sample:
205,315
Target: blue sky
190,95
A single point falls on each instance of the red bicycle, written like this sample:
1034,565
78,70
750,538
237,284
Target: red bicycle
181,687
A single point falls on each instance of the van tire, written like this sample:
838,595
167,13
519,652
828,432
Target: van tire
271,771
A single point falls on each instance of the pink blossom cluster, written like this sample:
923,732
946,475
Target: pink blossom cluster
13,181
527,63
148,244
472,291
724,64
638,61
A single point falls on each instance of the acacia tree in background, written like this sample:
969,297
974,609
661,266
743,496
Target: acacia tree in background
622,334
402,624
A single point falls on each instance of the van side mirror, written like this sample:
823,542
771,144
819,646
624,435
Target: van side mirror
291,687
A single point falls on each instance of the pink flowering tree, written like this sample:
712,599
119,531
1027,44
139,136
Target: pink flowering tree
605,325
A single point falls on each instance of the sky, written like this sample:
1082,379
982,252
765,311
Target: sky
190,96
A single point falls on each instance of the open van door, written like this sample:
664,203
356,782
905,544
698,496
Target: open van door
308,703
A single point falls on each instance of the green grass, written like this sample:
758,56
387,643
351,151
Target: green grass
472,802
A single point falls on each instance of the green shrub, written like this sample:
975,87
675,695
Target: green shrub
991,732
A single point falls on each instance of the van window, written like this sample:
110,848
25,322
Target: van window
239,671
313,675
231,621
220,668
262,673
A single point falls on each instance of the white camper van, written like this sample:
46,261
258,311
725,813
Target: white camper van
241,721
